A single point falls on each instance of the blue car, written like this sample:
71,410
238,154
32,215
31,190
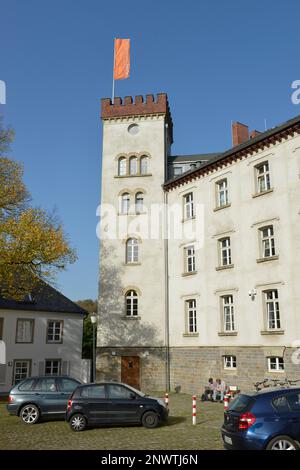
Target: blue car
37,397
264,420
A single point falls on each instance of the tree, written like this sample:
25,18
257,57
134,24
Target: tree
87,342
33,245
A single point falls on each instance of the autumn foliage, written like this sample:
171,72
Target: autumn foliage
33,245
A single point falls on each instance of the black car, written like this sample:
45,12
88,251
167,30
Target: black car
35,397
113,403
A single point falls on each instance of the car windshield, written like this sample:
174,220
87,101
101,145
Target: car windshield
240,404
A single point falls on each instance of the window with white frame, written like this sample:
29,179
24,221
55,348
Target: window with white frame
222,193
24,332
133,165
132,250
263,182
144,165
275,364
272,309
188,206
229,362
131,303
267,241
225,251
122,166
177,170
139,202
54,331
191,316
52,366
125,203
190,262
228,313
21,370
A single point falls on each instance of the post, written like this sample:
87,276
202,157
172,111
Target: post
94,353
167,399
226,402
113,84
194,410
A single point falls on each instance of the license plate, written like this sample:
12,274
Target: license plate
228,440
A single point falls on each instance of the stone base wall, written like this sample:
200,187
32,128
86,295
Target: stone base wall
190,368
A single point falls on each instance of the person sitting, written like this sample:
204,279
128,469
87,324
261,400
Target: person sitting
209,390
219,390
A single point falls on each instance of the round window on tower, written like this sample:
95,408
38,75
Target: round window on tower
133,129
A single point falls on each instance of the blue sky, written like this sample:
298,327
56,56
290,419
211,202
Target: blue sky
217,60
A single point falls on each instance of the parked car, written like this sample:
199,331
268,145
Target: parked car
113,403
268,419
36,397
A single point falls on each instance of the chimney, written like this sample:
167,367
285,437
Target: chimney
240,133
254,133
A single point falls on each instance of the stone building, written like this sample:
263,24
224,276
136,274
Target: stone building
199,254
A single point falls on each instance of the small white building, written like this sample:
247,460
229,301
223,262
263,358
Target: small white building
42,335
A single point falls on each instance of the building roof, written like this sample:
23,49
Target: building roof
192,158
265,139
44,298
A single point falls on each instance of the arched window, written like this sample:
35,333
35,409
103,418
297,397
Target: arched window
122,170
132,251
133,166
131,303
139,202
125,203
144,165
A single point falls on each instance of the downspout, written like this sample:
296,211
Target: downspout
166,261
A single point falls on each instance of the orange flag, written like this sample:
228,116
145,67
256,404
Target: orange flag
122,59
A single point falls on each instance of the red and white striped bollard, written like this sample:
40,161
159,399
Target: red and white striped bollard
226,402
194,410
167,399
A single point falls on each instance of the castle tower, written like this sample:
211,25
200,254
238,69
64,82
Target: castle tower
132,334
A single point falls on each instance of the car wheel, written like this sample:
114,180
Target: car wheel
30,414
78,422
150,419
282,443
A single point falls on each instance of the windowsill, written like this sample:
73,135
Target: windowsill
132,213
272,332
268,258
54,342
132,264
263,193
230,369
276,371
186,219
216,209
132,176
227,333
221,268
131,317
190,335
189,274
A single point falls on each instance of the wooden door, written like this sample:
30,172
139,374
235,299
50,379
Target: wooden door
130,371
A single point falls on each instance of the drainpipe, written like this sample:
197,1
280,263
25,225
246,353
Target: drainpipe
166,261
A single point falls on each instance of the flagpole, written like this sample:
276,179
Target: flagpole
113,85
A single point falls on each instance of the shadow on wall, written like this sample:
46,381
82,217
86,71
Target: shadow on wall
114,328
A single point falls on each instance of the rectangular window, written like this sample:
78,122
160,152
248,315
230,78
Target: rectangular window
24,332
272,309
262,177
267,241
52,366
228,313
177,170
191,313
275,364
190,264
1,327
21,370
225,251
54,331
188,206
222,193
229,362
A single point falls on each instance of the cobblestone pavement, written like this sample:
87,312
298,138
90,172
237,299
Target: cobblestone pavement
178,434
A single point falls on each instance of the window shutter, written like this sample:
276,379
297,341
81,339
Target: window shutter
41,368
2,373
65,368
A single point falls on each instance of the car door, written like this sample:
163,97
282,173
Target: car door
48,396
293,398
124,406
95,403
66,387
